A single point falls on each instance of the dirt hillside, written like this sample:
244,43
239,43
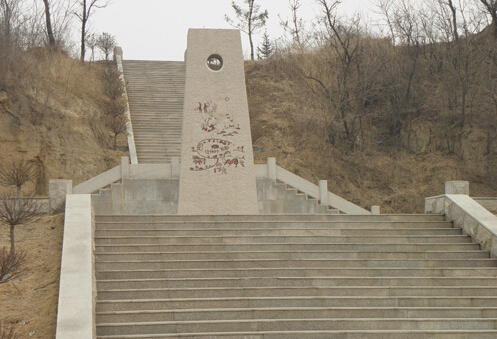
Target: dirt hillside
394,173
50,116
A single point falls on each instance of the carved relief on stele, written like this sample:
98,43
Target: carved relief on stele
217,166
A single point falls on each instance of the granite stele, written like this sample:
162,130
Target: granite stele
217,166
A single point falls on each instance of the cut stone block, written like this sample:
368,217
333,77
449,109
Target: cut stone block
457,187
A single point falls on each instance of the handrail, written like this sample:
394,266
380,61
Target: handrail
468,214
77,292
297,182
118,56
272,171
99,181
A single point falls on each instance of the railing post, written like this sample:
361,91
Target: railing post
457,187
175,167
124,167
323,192
375,210
271,168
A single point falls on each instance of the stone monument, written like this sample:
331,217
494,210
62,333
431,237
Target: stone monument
217,166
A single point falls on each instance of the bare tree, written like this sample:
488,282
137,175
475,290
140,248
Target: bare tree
91,42
346,46
106,42
87,9
9,14
491,8
16,173
115,120
296,26
114,114
10,265
48,20
8,333
249,20
14,212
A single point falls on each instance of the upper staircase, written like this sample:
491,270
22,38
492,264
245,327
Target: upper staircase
155,94
292,276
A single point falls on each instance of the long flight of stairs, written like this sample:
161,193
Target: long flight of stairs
299,276
155,94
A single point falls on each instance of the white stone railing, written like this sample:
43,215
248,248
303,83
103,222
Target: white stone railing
172,170
98,182
320,192
77,291
466,213
118,57
129,171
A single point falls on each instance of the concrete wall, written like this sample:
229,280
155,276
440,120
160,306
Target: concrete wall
138,196
160,196
77,291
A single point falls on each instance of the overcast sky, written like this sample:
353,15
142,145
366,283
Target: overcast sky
157,29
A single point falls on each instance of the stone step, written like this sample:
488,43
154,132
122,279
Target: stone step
165,136
289,255
155,93
302,313
158,121
272,232
477,291
394,247
163,147
280,217
324,334
193,240
183,264
251,282
414,324
277,291
272,225
162,140
156,125
154,129
305,301
303,272
163,153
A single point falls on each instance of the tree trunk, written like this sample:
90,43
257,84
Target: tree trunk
251,46
251,9
12,248
115,141
51,38
7,50
19,196
84,19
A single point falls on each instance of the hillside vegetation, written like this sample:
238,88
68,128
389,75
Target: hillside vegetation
385,118
51,115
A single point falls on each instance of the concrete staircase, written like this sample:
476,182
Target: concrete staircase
292,276
155,94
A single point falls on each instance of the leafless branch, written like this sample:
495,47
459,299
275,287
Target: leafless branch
10,265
